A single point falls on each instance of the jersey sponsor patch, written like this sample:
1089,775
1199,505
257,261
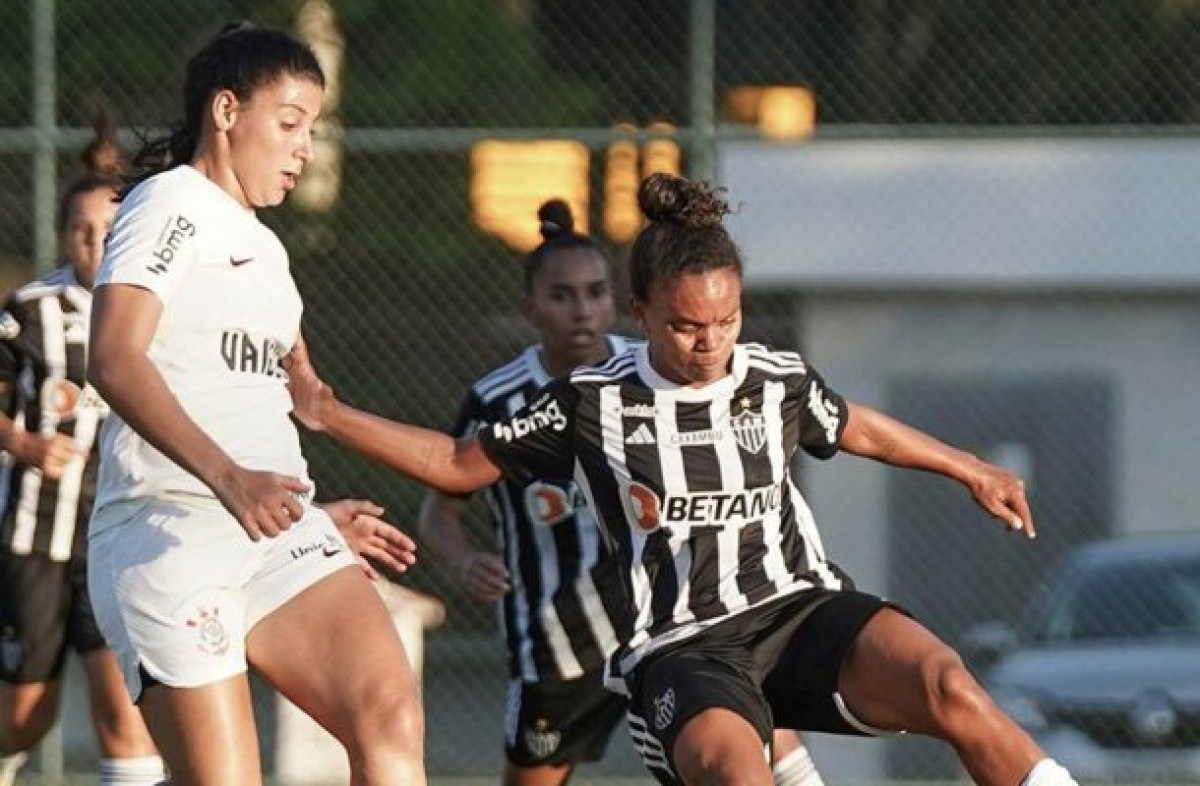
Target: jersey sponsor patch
547,504
176,231
679,514
550,415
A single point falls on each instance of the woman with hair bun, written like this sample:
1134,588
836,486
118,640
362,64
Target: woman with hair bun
683,448
48,427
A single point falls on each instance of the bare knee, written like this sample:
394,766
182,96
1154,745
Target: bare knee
22,730
388,729
706,767
957,703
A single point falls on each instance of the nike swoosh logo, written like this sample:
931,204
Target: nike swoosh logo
239,262
330,551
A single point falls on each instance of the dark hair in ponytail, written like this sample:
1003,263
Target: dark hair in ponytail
557,226
102,166
240,58
686,233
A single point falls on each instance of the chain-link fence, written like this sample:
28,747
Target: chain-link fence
973,215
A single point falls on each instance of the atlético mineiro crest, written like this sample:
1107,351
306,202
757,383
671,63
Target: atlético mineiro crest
210,631
541,740
749,428
664,709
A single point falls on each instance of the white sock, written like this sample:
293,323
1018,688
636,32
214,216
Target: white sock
797,769
9,765
1048,772
140,771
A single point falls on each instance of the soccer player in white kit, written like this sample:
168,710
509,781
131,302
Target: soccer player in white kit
206,552
683,450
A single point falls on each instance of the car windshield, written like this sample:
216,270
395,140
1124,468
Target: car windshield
1131,600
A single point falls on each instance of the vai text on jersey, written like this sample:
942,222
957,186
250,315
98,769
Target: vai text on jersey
244,354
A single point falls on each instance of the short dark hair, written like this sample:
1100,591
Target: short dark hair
685,233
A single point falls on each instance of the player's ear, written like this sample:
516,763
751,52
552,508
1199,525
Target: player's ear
224,109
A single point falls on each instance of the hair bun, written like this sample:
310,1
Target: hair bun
556,219
676,200
103,156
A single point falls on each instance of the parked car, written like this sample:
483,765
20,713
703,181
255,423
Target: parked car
1104,671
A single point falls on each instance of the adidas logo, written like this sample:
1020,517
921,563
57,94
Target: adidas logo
642,435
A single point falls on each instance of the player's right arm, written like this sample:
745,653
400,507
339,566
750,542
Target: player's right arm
124,321
49,454
133,287
443,526
443,522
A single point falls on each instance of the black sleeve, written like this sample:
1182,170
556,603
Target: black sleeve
10,338
471,416
538,441
823,415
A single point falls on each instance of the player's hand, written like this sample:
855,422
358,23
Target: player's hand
1002,494
484,575
51,455
264,503
370,537
311,397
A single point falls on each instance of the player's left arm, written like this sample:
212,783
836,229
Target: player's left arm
875,435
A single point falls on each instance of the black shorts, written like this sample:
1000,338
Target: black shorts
552,723
44,608
777,667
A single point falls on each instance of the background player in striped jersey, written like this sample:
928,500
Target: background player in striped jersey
683,450
560,608
48,429
205,553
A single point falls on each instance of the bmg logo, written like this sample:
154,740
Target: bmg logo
174,233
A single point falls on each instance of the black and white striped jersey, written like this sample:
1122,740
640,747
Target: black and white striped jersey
43,361
558,619
692,486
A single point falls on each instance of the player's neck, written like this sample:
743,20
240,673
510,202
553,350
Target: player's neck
561,363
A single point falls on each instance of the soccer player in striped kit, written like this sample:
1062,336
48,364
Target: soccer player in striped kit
561,610
48,429
683,449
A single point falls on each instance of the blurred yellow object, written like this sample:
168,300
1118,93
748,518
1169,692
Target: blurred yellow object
622,219
781,112
511,180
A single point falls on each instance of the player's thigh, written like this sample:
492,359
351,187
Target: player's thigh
334,651
206,735
888,674
697,710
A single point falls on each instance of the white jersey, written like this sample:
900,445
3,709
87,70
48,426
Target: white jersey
231,311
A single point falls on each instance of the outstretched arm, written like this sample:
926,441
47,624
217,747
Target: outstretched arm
872,434
454,466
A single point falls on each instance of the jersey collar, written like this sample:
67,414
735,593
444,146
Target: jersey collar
720,388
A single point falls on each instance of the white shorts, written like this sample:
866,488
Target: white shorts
176,586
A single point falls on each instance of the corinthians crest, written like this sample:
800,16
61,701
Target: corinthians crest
210,632
749,428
